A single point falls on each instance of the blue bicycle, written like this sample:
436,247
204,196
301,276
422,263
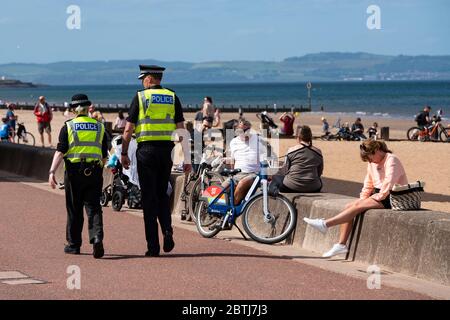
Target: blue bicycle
266,218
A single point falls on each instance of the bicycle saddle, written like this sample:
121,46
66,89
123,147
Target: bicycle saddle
230,172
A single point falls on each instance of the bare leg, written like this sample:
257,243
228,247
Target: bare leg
346,228
49,138
42,138
349,213
345,218
344,232
242,189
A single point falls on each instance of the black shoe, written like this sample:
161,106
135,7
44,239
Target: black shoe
71,250
151,254
169,244
98,251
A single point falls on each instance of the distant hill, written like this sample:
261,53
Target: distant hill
11,83
326,66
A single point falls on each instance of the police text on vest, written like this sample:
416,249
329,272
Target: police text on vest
86,126
162,99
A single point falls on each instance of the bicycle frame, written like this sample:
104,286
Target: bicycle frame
230,211
431,131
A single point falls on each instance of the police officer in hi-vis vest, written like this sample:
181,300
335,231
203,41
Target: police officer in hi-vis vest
83,146
155,113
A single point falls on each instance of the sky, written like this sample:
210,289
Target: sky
217,30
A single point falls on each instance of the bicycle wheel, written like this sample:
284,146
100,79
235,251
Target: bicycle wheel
206,222
26,138
413,133
284,222
212,178
445,135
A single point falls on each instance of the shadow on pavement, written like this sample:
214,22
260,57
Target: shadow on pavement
206,254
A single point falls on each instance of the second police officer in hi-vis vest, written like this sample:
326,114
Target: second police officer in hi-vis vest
155,114
83,147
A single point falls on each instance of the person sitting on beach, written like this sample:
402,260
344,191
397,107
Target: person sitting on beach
344,132
302,168
246,150
288,120
384,170
121,122
358,130
325,127
5,130
373,131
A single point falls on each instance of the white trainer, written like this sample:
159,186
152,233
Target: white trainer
318,224
337,249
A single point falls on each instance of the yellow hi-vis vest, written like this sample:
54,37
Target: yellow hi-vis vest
85,139
156,120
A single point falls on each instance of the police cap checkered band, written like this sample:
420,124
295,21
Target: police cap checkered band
150,69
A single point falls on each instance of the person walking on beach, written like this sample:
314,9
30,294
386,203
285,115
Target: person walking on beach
155,113
44,116
11,118
208,113
83,147
384,170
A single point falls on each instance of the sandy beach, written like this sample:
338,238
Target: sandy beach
344,171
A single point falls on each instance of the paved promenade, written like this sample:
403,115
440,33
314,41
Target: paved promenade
32,237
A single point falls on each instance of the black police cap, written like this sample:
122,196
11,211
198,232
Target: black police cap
80,100
149,69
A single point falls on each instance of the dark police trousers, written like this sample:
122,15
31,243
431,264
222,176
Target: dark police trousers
83,191
154,164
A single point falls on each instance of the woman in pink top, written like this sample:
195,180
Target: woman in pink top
384,170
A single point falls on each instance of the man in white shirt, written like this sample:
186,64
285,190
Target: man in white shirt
246,151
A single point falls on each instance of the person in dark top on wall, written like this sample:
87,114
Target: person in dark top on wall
302,169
